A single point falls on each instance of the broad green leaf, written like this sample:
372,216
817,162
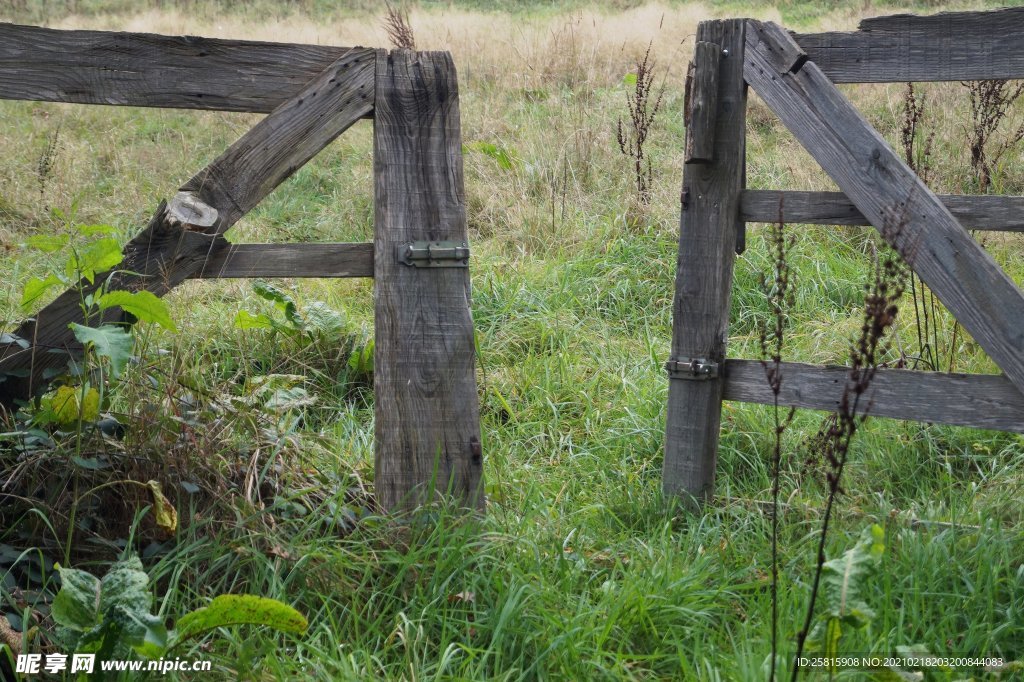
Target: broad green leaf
281,300
92,230
109,615
246,320
289,399
126,586
147,634
319,317
144,305
108,341
47,243
98,256
361,359
843,578
166,514
239,609
843,581
76,606
91,463
9,338
35,288
629,79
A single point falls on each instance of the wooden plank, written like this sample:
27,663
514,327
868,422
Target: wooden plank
171,249
425,397
703,104
778,49
909,216
147,70
977,400
289,260
950,46
707,239
981,212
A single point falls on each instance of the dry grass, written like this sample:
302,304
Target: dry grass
572,312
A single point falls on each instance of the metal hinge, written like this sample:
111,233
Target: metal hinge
692,369
434,254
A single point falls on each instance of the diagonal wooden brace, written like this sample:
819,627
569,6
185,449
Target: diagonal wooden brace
187,232
890,195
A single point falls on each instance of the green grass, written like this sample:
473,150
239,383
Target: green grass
580,569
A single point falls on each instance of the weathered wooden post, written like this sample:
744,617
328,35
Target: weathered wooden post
427,411
713,179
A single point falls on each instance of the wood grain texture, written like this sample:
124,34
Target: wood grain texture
907,214
950,46
778,49
288,260
425,397
977,400
166,252
707,239
147,70
982,212
703,104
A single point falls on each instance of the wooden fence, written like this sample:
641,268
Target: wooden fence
426,404
795,76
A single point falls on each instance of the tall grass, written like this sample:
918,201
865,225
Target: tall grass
580,569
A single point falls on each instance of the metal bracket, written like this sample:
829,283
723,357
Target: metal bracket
692,369
434,254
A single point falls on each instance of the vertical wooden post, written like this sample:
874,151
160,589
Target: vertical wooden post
426,404
707,239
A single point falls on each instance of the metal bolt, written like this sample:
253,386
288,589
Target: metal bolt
725,52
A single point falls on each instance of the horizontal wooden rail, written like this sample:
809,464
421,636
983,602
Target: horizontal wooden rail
982,212
289,260
147,70
950,46
981,401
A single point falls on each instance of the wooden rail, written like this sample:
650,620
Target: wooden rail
950,46
994,213
147,70
288,260
975,400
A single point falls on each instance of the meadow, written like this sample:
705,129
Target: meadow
580,568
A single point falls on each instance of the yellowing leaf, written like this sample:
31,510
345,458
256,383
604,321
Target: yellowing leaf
239,609
65,406
166,514
90,407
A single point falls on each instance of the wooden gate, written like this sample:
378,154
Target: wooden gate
426,405
795,77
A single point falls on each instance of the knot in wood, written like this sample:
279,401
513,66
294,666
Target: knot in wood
186,211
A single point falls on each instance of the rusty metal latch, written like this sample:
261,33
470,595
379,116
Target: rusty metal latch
691,369
434,254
